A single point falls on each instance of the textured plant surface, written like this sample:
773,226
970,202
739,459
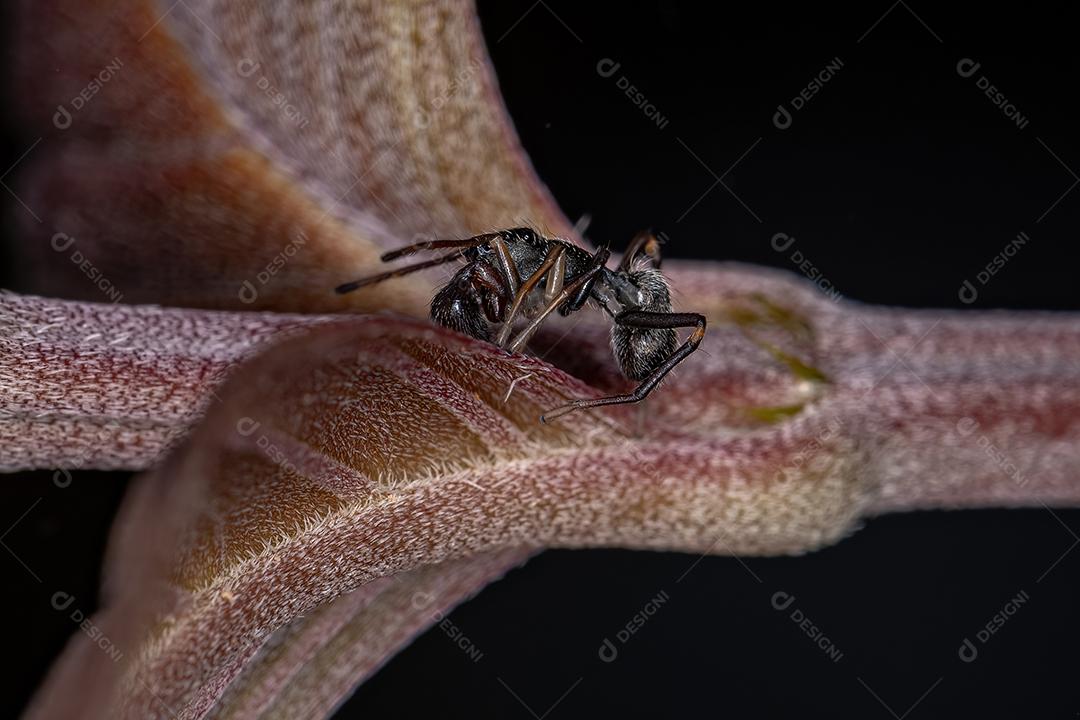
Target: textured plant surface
322,486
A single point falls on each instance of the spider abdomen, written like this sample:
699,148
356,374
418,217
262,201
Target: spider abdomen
639,351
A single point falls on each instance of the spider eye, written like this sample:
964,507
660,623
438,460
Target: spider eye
525,234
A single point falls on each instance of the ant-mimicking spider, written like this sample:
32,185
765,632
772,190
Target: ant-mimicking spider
489,293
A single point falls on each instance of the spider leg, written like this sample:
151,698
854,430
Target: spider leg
556,258
501,251
465,243
556,277
576,302
577,286
650,320
506,263
371,280
644,242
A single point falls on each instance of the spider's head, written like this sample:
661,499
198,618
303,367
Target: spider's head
638,350
653,291
525,235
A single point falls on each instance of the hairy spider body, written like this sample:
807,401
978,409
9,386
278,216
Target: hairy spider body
639,351
520,274
483,283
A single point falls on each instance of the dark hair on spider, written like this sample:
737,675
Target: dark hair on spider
519,273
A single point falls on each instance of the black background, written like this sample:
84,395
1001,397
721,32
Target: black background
899,180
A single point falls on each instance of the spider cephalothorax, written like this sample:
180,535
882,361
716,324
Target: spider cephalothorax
519,274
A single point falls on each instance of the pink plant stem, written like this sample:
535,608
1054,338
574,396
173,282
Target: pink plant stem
920,410
968,409
962,408
99,386
965,408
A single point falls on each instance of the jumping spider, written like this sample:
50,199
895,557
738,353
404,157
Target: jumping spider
488,294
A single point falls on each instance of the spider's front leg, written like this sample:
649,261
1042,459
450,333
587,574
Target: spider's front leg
576,292
555,261
644,319
461,245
